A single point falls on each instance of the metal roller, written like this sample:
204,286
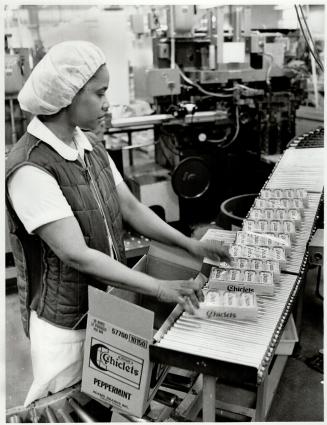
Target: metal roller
65,416
33,414
299,168
15,419
241,340
178,382
50,415
166,398
83,415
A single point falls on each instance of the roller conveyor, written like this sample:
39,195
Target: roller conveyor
221,339
299,168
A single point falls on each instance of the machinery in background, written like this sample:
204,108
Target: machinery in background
17,69
232,99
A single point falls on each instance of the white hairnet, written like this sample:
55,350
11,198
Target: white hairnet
60,74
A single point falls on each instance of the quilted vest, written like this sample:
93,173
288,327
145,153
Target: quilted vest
57,292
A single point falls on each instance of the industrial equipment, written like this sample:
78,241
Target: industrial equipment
238,84
17,69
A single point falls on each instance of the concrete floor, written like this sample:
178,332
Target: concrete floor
299,396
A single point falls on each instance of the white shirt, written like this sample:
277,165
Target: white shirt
35,194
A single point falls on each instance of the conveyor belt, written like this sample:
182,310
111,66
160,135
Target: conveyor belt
219,346
240,342
299,168
227,347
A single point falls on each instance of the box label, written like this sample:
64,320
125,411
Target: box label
117,366
117,363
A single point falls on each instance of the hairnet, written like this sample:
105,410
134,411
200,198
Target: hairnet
60,74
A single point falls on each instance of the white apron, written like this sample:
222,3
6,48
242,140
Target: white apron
57,358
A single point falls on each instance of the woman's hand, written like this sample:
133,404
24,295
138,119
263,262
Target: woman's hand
215,250
187,293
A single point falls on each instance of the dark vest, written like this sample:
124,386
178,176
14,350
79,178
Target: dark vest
56,291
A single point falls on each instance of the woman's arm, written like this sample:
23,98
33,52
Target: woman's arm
146,222
65,238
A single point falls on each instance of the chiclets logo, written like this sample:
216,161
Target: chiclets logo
114,362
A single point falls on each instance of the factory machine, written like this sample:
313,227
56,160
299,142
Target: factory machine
223,101
17,69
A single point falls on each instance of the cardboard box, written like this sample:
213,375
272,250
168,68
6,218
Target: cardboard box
117,369
220,279
242,287
213,309
264,239
260,252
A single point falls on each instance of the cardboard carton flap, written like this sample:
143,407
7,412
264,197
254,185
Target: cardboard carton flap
174,255
121,313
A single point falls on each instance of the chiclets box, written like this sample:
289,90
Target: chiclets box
117,370
117,367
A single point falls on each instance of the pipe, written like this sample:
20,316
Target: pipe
166,398
49,413
237,24
220,34
210,32
15,419
12,120
81,413
172,35
34,415
314,72
65,416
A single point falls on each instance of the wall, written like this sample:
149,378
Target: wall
265,16
316,21
106,28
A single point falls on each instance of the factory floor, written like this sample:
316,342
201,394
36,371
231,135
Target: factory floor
299,396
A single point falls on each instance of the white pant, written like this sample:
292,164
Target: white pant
57,358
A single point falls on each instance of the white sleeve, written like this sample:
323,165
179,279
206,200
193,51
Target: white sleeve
37,198
115,173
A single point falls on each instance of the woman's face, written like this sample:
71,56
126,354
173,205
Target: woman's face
90,104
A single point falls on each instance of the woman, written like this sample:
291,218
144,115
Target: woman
66,202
